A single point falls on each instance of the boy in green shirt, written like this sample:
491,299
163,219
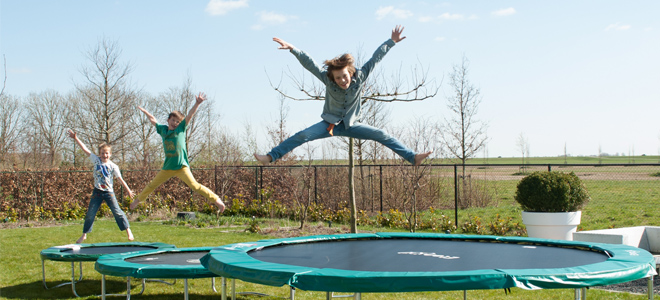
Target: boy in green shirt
176,155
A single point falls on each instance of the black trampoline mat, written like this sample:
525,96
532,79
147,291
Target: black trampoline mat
425,255
108,249
169,258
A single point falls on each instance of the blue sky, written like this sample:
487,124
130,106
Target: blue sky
578,73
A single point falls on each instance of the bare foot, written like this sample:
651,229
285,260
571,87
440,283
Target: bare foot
220,205
264,159
82,238
129,234
135,203
420,157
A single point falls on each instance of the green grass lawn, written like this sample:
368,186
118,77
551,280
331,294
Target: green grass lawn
20,277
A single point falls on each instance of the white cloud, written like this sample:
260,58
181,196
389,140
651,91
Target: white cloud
505,12
452,17
222,7
19,70
617,27
425,19
267,18
440,39
383,12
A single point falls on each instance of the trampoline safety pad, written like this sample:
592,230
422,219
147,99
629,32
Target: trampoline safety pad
411,262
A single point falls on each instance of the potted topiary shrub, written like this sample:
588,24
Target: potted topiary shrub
551,203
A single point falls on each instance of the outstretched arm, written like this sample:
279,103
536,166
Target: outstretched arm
123,183
198,100
73,135
305,60
396,34
283,45
151,118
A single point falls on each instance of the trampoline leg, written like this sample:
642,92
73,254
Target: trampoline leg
213,285
185,289
128,287
73,277
292,293
223,289
43,275
464,294
233,289
102,286
358,296
649,289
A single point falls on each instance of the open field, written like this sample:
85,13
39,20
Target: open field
21,271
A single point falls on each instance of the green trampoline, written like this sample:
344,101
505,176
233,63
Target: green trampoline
412,262
88,252
174,263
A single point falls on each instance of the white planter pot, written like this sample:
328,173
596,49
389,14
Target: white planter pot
557,225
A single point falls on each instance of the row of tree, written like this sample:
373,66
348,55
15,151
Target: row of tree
102,109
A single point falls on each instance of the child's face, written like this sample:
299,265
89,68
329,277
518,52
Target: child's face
342,77
105,154
173,123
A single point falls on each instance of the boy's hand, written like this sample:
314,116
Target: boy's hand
200,98
71,134
283,45
396,34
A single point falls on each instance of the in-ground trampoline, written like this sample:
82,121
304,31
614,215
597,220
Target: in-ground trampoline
89,252
171,263
412,262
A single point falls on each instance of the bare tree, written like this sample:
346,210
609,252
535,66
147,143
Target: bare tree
146,146
4,80
47,113
462,133
523,146
10,125
278,132
106,101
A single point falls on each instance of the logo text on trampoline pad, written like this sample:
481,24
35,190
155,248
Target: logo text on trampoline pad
427,254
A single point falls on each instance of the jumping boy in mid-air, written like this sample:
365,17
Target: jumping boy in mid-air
103,172
176,155
344,85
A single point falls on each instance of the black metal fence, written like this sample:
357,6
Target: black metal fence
378,188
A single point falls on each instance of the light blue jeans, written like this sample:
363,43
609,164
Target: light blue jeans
358,131
98,196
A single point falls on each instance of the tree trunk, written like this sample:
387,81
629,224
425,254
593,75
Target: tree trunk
351,186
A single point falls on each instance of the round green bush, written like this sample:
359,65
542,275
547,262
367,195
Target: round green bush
551,192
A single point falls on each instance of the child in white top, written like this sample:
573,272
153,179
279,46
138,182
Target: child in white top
103,173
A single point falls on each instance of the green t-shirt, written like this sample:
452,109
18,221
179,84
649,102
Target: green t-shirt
174,145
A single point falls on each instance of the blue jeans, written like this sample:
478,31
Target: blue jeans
358,131
98,196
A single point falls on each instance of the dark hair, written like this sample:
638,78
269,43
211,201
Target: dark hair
343,61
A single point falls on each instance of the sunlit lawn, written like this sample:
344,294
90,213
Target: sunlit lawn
20,277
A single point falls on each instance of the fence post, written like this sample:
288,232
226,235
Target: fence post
549,168
316,197
456,195
256,183
41,195
381,187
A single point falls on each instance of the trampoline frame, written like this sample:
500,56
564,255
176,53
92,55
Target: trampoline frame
116,265
625,263
55,253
